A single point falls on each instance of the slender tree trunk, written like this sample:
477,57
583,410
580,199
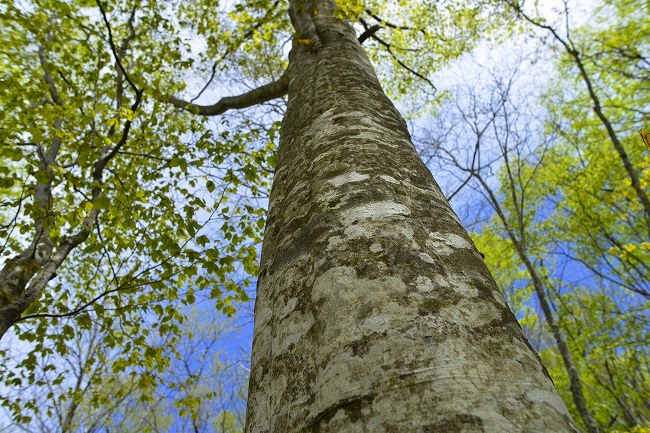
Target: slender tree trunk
374,311
575,385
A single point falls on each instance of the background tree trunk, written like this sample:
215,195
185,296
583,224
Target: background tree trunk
374,311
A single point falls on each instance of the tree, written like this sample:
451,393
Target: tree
610,345
142,203
611,85
147,208
374,308
589,182
99,178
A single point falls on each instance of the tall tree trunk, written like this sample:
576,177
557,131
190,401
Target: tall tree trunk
374,311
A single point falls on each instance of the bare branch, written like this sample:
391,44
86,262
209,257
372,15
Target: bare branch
400,62
385,23
462,185
116,52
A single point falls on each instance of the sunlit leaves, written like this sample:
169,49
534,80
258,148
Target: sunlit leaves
597,207
611,347
178,216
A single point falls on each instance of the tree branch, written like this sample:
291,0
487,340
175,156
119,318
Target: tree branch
47,76
401,63
303,23
116,52
21,280
256,96
369,31
591,91
385,23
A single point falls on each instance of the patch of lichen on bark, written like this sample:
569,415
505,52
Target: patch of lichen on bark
433,304
349,412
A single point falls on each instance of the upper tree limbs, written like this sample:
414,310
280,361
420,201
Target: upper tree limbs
370,32
264,93
108,152
275,89
306,30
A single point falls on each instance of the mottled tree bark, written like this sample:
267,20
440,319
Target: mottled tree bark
375,312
